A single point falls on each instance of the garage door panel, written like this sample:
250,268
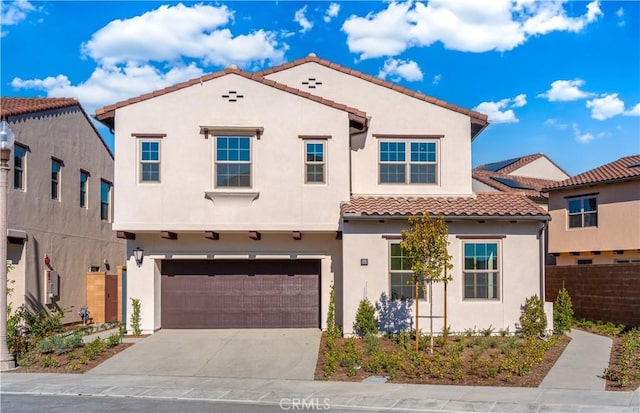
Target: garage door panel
240,294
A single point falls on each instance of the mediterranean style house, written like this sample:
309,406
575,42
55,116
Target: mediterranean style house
595,215
244,197
59,204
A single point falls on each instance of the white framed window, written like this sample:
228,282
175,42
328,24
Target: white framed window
149,169
56,176
314,162
84,187
400,275
233,162
408,162
481,270
19,167
582,212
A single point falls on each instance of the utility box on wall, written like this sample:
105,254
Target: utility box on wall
52,286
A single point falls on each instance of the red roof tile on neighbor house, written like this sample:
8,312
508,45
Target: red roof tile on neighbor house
619,170
498,204
12,106
478,117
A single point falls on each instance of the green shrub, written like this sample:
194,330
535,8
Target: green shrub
562,312
366,322
74,340
486,332
94,348
45,346
48,361
372,343
135,317
331,363
333,330
113,340
533,320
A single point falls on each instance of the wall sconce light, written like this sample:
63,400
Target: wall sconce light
138,255
364,261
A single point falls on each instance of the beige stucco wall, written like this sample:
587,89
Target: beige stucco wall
394,113
541,168
74,238
519,262
618,220
144,281
482,187
605,257
283,201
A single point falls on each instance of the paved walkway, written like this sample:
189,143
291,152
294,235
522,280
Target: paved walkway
582,364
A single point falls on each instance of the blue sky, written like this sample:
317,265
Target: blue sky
557,77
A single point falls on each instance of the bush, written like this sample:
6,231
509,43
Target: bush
135,317
366,322
94,349
533,320
562,312
333,330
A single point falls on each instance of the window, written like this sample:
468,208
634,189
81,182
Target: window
56,166
19,165
149,161
402,286
481,273
233,161
105,200
84,178
583,212
314,162
631,261
422,165
585,261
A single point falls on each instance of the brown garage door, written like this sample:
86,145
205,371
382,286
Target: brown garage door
240,293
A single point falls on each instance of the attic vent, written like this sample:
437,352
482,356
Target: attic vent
232,96
312,82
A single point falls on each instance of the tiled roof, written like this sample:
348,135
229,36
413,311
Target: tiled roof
107,113
486,177
478,117
495,204
12,106
615,171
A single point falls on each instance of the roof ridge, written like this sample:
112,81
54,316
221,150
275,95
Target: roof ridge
617,170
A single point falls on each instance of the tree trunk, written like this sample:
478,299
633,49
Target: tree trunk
417,312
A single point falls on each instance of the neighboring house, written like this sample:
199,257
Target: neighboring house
250,194
595,215
59,203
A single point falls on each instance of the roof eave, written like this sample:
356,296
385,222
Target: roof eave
587,184
365,217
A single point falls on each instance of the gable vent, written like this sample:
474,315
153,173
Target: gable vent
232,96
312,83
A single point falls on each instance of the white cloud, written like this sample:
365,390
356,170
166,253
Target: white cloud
397,69
620,14
582,137
14,12
565,90
465,25
634,111
300,18
606,107
501,111
436,79
554,122
332,11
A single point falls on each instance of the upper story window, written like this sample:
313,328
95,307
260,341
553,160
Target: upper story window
401,276
19,167
149,161
233,162
84,180
56,174
105,200
481,273
412,162
582,212
314,162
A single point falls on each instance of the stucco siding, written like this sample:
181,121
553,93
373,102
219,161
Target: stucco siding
519,264
179,202
541,168
393,113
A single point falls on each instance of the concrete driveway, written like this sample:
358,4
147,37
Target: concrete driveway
258,353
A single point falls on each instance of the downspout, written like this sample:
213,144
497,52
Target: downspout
542,252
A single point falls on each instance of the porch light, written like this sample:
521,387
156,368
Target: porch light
138,254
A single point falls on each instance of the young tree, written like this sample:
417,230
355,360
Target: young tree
425,246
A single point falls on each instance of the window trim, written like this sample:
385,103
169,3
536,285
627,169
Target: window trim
315,141
582,212
408,140
391,271
149,139
22,169
58,179
498,270
584,261
215,160
86,189
109,200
